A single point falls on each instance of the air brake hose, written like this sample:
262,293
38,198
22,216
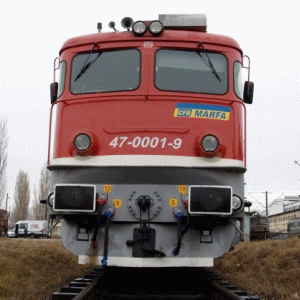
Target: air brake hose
108,216
93,240
94,243
181,231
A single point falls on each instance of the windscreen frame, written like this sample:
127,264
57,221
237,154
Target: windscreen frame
203,53
103,51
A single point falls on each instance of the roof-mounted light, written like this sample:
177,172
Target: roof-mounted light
156,27
139,28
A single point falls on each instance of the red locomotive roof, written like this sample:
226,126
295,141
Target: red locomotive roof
167,35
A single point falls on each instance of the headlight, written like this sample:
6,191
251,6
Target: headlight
210,143
156,27
237,202
205,199
139,28
82,142
50,199
73,197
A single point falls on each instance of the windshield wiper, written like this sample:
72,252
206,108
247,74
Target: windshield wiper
87,65
208,62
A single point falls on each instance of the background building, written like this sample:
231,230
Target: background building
281,211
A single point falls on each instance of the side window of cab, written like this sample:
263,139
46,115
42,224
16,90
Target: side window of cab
61,78
57,87
237,83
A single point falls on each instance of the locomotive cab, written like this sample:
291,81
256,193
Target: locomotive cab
147,143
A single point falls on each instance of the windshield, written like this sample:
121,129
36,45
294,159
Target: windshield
105,71
190,71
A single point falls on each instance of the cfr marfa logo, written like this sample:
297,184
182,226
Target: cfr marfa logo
202,111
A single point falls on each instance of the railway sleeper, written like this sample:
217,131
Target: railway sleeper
149,296
227,289
90,287
80,288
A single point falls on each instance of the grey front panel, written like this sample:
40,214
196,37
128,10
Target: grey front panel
151,175
166,241
158,185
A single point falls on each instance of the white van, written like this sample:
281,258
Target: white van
28,228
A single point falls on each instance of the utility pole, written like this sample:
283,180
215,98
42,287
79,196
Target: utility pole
267,205
6,201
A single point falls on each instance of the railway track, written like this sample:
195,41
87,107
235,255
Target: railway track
153,284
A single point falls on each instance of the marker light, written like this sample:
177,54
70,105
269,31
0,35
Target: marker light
210,143
156,27
237,202
50,199
139,28
82,142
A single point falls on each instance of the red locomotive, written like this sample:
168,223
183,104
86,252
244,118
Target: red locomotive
147,143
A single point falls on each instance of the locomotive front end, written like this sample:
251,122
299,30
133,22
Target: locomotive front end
147,144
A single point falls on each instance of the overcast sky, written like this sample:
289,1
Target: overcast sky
32,33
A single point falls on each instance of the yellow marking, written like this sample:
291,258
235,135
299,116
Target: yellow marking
107,188
176,112
173,202
117,203
182,189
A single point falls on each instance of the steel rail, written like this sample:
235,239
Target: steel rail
87,288
228,290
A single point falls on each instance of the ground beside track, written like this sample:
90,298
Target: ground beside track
33,269
268,268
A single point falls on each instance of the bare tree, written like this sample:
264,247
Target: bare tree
37,208
40,210
3,158
21,196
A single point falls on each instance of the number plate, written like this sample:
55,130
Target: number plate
146,142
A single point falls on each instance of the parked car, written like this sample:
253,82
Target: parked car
33,229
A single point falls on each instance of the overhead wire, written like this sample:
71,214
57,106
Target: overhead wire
257,201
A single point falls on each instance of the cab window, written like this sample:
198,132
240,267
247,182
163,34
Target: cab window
23,225
238,86
107,71
191,71
61,78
